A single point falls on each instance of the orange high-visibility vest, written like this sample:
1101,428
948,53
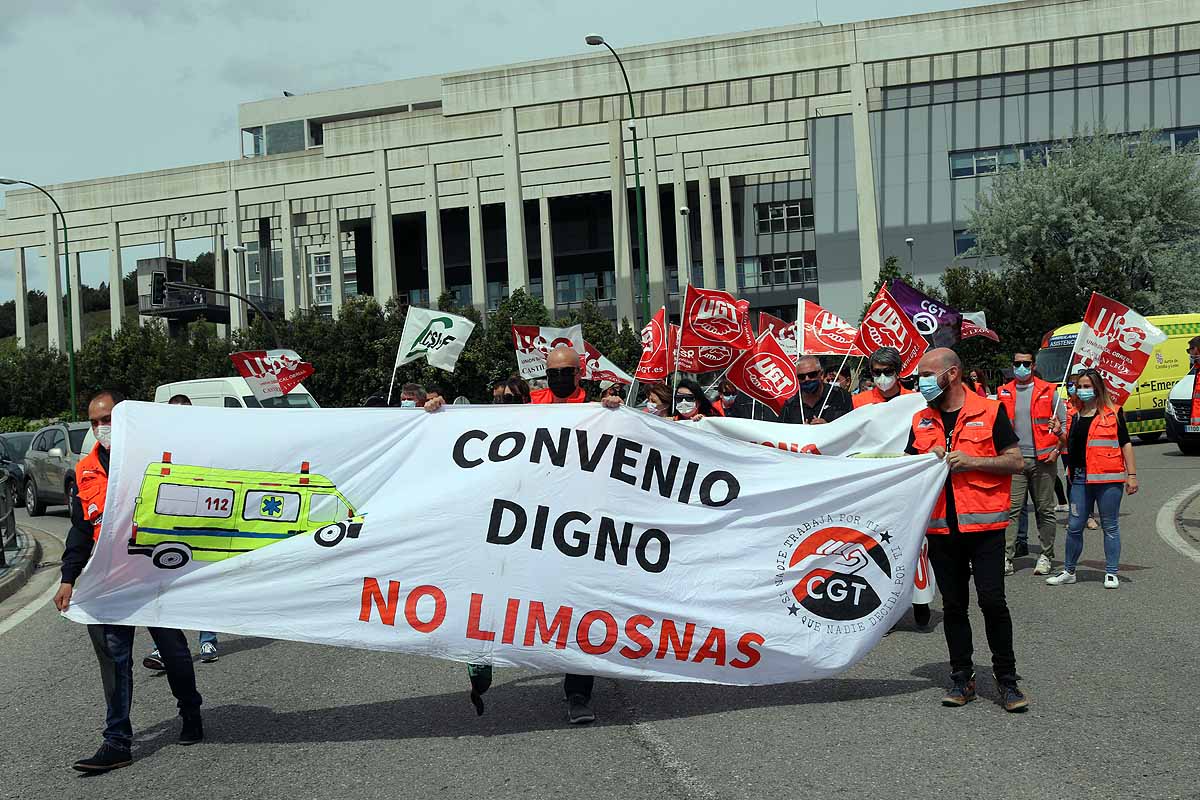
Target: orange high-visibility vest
1041,411
1103,460
91,482
875,396
981,499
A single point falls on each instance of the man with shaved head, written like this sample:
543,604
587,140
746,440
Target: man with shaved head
562,378
966,531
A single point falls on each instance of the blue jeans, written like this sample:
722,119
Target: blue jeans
1107,498
114,651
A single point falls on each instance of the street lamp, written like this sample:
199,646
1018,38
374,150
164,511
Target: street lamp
910,241
54,265
595,40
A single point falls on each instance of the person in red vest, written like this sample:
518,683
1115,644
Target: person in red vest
562,379
885,365
1100,464
966,530
114,643
1038,416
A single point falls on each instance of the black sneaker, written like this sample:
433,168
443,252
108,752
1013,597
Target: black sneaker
1021,548
961,692
1012,698
108,757
578,710
481,681
192,731
921,614
154,661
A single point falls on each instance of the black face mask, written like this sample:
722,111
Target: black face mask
561,381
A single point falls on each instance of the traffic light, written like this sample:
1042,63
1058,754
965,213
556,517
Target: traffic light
158,289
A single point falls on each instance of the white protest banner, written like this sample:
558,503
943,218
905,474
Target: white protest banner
567,538
436,335
534,342
271,373
876,429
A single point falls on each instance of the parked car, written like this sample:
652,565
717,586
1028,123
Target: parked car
231,392
50,465
12,462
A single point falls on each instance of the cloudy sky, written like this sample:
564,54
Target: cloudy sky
91,88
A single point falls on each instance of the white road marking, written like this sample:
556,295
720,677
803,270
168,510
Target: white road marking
38,603
1165,523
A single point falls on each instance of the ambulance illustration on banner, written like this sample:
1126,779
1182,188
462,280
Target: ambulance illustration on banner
185,513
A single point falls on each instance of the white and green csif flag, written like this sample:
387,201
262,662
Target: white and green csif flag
436,335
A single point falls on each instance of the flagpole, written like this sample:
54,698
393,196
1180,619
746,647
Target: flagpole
632,393
391,386
845,358
678,340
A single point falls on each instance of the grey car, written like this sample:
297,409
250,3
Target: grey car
12,460
50,465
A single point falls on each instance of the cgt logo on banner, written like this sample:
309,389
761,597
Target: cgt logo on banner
1116,341
558,539
765,373
886,325
712,317
271,373
533,343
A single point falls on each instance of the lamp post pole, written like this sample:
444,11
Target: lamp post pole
54,265
637,181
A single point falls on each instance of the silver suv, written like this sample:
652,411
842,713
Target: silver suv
50,465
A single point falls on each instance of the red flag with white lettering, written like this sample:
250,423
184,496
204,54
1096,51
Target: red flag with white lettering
701,359
786,333
886,325
657,358
823,333
598,368
271,373
533,344
765,373
974,323
1116,341
712,317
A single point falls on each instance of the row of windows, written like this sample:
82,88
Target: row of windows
781,217
974,163
1045,80
786,270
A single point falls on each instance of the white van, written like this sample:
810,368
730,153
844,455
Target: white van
231,393
1179,417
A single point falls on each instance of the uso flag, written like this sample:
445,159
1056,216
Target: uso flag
886,325
534,342
823,333
271,373
656,362
712,317
766,373
597,367
1116,341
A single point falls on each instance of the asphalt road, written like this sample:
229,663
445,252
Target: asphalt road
1112,678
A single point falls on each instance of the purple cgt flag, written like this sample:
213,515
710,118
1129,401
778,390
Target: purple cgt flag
936,321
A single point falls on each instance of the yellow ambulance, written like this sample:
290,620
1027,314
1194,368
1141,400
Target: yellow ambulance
186,513
1167,365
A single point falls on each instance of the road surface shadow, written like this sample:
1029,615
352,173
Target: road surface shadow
523,705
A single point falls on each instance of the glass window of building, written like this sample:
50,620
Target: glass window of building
316,134
789,269
964,242
252,142
789,215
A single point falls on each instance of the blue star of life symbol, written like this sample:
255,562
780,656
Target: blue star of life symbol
272,506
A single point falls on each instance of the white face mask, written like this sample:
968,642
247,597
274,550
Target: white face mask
685,407
729,399
408,403
651,408
884,383
104,436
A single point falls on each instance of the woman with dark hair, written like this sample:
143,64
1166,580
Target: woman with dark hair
658,400
977,382
690,401
514,390
1100,464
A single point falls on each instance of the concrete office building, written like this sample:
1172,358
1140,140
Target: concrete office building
805,155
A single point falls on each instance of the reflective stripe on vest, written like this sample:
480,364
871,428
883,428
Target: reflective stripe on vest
1103,460
1041,411
984,494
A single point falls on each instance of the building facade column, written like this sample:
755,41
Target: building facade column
620,223
21,298
549,293
728,245
56,332
337,275
708,233
289,258
514,204
220,273
683,233
864,176
168,238
238,313
383,250
478,257
304,268
654,242
433,236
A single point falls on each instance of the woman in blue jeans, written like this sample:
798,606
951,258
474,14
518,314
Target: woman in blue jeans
1101,466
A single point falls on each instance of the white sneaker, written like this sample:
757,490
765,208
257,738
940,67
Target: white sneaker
1009,567
1061,578
1043,566
1061,507
1111,581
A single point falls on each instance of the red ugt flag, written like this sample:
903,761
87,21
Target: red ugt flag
785,333
700,359
886,325
823,333
765,373
657,359
712,317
